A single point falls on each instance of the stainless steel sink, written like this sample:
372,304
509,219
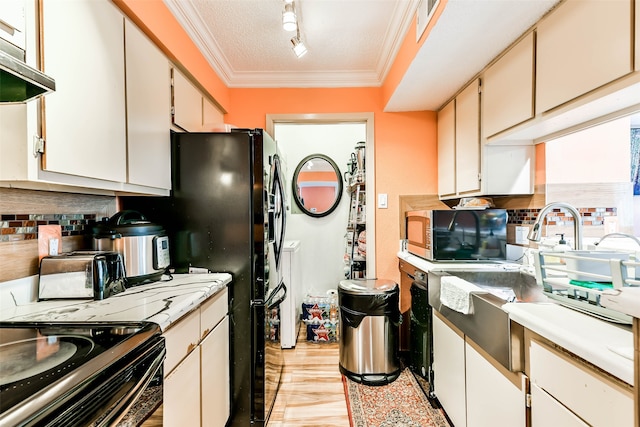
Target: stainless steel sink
489,325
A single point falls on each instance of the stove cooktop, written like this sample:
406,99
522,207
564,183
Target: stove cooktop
45,365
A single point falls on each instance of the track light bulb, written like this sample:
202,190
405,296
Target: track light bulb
298,47
289,21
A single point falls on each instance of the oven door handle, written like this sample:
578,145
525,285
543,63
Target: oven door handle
120,409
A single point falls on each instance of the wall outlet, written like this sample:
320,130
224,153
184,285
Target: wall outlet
54,245
521,235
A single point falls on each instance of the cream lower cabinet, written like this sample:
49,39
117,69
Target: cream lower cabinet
566,388
181,398
474,390
197,383
449,366
214,356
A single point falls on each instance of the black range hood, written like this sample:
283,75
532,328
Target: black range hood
18,81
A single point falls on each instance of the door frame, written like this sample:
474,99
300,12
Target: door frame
339,118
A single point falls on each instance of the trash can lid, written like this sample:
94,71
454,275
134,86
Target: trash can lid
367,286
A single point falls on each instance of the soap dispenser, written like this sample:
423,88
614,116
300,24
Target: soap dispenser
562,245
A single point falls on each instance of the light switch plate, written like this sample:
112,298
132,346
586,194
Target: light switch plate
382,201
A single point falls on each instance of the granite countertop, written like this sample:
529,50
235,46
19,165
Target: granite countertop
604,344
162,302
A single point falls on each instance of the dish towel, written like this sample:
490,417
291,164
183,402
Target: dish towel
455,293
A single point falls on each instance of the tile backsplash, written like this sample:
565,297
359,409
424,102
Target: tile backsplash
14,227
560,216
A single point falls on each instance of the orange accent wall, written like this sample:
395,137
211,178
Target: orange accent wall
405,142
407,53
405,147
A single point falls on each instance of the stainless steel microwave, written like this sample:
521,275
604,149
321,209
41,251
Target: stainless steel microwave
463,234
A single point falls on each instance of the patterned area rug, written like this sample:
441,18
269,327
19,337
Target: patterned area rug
399,404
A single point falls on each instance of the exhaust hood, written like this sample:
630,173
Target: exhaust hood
18,81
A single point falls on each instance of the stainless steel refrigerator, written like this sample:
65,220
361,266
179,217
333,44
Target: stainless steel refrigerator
226,213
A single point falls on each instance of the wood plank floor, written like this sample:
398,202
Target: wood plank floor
311,392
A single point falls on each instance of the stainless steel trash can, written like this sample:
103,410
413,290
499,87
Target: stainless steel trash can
369,320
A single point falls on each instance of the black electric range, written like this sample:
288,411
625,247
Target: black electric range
75,374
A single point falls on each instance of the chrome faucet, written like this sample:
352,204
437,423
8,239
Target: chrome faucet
535,233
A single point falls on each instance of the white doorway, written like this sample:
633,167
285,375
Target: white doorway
323,239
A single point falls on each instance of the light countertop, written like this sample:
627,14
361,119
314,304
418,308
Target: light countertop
604,344
428,266
601,343
162,302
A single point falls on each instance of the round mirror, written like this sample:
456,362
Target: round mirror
317,185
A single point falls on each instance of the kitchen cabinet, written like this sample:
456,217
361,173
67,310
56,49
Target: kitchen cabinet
198,359
193,112
187,103
507,88
578,51
181,393
461,373
467,145
212,117
447,149
449,366
214,353
84,119
468,168
577,390
148,80
505,405
549,412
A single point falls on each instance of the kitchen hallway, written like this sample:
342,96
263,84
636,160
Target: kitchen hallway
311,392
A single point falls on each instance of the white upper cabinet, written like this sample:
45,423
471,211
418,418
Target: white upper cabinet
192,111
507,88
187,103
212,118
468,139
85,122
148,111
447,149
459,144
579,49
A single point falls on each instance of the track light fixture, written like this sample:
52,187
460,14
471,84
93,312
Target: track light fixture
298,45
289,20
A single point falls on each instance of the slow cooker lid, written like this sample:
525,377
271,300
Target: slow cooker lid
126,223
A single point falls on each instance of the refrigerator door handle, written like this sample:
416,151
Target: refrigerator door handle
269,303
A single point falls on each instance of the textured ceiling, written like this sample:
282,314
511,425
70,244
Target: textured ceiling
353,43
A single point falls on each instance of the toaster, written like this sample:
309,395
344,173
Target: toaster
81,275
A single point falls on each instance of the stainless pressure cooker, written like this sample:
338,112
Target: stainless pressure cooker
144,246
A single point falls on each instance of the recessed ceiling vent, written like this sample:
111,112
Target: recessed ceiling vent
423,15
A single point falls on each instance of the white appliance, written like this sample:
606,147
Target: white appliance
291,307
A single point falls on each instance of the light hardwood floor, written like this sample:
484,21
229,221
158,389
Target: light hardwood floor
311,392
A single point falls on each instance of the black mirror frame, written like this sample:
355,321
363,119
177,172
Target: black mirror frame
294,183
